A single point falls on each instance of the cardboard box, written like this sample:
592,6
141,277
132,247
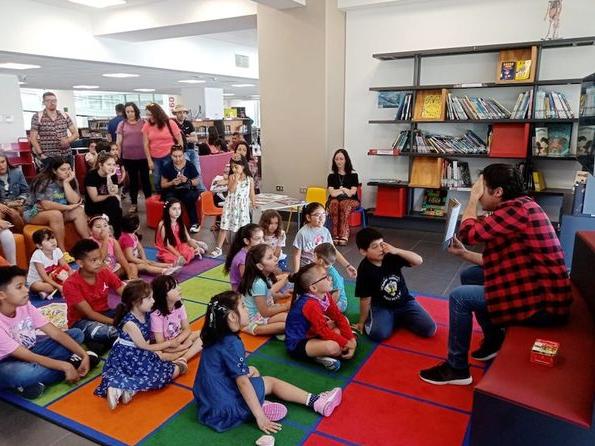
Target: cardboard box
544,352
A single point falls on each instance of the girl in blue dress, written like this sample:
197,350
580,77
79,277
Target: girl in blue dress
228,391
134,364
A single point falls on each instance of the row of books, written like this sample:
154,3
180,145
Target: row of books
456,174
401,141
471,107
469,143
553,140
523,106
551,105
405,107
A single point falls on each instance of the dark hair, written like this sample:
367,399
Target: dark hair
130,223
135,108
83,247
169,233
119,108
176,147
252,271
365,237
245,232
216,326
348,165
266,218
507,177
7,273
214,141
302,280
10,166
134,291
235,134
102,157
161,286
102,146
159,116
213,133
327,252
248,149
42,234
48,175
46,94
241,162
309,210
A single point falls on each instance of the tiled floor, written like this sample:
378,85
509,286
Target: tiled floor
438,275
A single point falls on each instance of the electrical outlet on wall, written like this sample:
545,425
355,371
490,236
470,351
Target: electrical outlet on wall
279,188
303,190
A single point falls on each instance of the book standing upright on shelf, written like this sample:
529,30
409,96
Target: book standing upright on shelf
584,143
559,139
507,71
541,142
523,70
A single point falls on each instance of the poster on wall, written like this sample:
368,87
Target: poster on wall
389,99
552,17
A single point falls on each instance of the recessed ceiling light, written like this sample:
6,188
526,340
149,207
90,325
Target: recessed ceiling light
99,3
120,75
22,83
144,90
228,94
18,66
242,85
192,81
85,87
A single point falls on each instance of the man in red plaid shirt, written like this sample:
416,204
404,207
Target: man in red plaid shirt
525,279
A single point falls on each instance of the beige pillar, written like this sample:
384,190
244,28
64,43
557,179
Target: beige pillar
301,54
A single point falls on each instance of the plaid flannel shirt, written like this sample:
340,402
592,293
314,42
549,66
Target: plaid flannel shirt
523,262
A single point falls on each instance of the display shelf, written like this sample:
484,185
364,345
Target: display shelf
389,121
421,216
477,85
555,158
388,183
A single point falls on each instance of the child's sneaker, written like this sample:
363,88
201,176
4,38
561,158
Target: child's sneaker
328,401
76,360
194,229
280,337
67,257
127,396
172,271
113,397
217,252
329,363
31,392
274,411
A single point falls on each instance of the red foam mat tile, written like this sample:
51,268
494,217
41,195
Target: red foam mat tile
373,417
398,371
320,440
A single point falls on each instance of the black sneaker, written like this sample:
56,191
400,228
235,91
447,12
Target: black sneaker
76,360
31,392
444,374
486,351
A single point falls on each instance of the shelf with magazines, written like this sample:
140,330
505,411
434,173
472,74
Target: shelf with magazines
501,125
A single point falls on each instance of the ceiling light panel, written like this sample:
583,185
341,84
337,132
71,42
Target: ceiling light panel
242,85
145,90
18,66
85,87
192,81
99,3
120,75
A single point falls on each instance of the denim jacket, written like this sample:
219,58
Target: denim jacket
17,186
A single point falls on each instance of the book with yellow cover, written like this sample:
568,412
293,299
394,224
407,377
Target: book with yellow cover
432,108
523,70
538,181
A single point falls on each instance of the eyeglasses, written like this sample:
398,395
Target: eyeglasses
320,280
318,214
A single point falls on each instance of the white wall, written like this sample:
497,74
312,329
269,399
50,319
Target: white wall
442,24
252,108
12,125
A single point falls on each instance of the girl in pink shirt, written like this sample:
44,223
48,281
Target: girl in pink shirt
111,253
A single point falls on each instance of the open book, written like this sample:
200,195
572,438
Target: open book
452,217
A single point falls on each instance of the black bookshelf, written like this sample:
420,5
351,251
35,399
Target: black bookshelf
554,158
477,85
477,121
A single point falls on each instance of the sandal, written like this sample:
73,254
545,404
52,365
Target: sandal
182,365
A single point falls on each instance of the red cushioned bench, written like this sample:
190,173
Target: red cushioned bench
521,403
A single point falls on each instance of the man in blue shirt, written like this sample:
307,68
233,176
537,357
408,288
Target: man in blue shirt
113,124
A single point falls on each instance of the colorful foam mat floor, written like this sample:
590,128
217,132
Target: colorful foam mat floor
384,401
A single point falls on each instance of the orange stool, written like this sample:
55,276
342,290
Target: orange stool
71,236
22,259
154,210
207,206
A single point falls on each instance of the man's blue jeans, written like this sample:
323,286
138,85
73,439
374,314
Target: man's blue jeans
15,373
382,321
472,276
463,302
158,164
192,157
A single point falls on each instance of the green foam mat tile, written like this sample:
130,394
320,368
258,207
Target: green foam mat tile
185,429
55,391
202,290
194,310
216,274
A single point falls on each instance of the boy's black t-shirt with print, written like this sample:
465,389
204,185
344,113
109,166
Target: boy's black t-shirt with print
385,284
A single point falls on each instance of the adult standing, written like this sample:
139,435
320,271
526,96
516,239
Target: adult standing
14,192
160,133
101,191
525,280
129,137
112,125
179,179
55,200
342,187
49,133
190,139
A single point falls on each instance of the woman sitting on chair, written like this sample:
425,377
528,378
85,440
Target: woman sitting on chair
342,196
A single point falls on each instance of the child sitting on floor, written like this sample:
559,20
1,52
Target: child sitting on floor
120,171
325,255
265,317
86,292
228,391
134,364
313,312
385,302
247,237
174,244
274,235
170,322
27,364
134,251
111,253
47,269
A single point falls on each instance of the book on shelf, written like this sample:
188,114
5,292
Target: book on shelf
392,152
584,143
456,174
540,146
552,105
404,107
522,107
432,106
559,139
401,141
467,144
538,181
523,70
581,177
587,104
471,107
507,71
434,202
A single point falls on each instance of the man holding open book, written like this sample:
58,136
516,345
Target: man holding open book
525,279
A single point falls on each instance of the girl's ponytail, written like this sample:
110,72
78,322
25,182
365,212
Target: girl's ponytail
134,291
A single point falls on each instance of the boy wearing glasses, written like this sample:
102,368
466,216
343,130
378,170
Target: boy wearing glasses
385,301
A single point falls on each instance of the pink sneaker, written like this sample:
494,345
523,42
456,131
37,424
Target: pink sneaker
274,411
328,401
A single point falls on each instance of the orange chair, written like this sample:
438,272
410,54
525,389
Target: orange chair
154,211
22,259
207,206
71,236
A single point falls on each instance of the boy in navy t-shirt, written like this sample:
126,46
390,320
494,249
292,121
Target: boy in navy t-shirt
385,301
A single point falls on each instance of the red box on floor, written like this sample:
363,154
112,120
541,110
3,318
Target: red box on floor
544,352
391,201
509,141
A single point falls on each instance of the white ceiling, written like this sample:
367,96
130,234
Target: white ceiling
67,4
62,74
